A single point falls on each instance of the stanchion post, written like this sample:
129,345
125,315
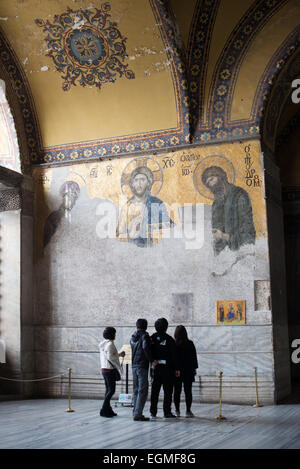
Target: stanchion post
256,389
126,378
220,416
69,392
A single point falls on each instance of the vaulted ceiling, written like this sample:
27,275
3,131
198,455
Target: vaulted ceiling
90,80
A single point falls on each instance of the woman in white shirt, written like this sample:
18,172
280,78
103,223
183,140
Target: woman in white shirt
109,362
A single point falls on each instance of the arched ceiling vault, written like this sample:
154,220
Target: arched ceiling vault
280,108
95,80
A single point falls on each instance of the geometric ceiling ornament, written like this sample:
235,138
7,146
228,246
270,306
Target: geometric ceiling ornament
86,47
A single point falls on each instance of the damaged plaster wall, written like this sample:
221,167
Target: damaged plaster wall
85,282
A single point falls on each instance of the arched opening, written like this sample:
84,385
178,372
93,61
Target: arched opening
287,152
9,148
16,257
280,141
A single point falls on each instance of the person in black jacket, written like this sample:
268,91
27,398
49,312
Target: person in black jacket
165,368
141,357
188,364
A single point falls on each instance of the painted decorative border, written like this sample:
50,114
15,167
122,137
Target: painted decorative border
106,147
275,87
219,127
24,98
12,161
197,57
189,92
155,140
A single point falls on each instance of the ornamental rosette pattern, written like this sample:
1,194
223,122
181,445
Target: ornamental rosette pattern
86,47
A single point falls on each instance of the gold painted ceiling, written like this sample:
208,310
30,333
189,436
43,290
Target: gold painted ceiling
88,80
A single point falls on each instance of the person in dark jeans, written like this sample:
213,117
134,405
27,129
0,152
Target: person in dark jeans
109,361
165,368
110,389
141,357
188,364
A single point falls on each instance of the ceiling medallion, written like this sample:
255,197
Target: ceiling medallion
86,47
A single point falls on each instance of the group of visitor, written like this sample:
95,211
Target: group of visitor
172,363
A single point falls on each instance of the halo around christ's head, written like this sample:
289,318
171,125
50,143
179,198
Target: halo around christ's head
151,165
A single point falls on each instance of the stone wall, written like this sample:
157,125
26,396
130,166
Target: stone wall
16,289
85,281
278,281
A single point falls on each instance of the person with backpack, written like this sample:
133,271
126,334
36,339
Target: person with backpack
165,368
141,357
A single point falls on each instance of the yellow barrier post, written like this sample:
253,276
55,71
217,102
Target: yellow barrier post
69,392
220,416
256,389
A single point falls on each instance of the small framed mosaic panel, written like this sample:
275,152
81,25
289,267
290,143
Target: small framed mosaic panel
231,312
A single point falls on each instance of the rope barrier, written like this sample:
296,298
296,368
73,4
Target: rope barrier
32,380
69,409
44,379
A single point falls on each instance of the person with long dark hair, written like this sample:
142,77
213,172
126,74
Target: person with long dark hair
110,367
188,364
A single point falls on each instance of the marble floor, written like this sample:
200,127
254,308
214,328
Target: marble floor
44,424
